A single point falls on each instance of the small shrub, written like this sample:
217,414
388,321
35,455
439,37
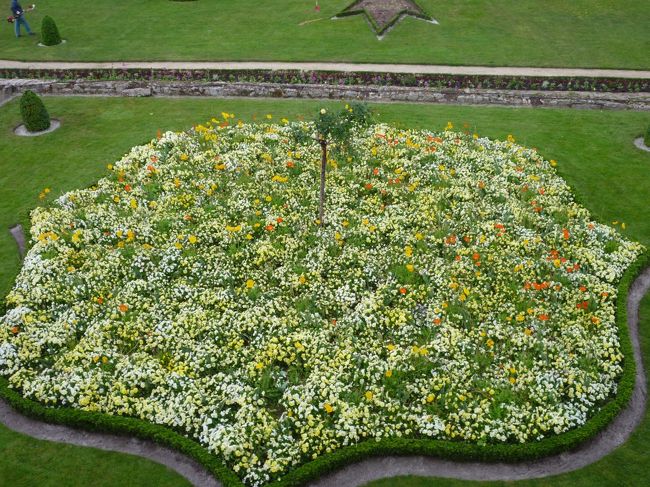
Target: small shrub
33,112
49,32
646,137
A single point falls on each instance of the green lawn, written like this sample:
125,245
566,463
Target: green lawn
580,33
594,151
27,463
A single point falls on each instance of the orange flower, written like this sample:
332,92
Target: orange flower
476,256
543,317
100,300
437,321
368,186
290,164
123,308
375,171
15,330
279,219
269,227
402,290
565,233
127,187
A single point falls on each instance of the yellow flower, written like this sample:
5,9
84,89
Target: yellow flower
76,236
184,157
408,251
410,268
192,239
279,179
419,236
259,365
250,283
389,373
236,228
302,279
133,203
328,408
490,343
268,199
269,116
430,398
390,347
369,395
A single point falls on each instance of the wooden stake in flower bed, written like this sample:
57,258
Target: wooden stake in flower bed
334,128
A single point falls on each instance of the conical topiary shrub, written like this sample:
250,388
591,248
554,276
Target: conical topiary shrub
34,113
49,32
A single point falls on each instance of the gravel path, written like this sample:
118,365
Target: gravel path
314,66
382,467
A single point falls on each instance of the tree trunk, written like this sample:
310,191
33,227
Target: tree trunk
323,165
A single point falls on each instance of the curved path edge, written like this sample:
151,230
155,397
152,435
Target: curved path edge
615,434
610,438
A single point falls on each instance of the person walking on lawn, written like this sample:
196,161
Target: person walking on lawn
19,18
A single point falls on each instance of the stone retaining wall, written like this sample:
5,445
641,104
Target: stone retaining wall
566,99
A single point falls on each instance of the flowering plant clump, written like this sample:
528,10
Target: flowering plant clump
456,291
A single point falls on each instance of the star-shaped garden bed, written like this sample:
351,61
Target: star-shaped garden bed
383,14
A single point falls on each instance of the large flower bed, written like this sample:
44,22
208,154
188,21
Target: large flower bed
456,292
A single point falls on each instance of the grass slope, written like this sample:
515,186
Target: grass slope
27,462
594,151
581,33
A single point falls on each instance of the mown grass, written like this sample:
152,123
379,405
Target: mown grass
594,150
580,33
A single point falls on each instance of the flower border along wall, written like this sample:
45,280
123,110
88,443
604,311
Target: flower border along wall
458,302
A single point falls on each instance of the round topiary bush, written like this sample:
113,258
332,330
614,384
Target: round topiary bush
33,112
49,32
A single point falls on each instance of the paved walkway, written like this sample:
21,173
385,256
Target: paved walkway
307,66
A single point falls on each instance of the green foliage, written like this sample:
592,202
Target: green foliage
33,112
646,137
49,32
335,127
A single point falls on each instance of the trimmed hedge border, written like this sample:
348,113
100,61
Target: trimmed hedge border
445,449
314,469
560,83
